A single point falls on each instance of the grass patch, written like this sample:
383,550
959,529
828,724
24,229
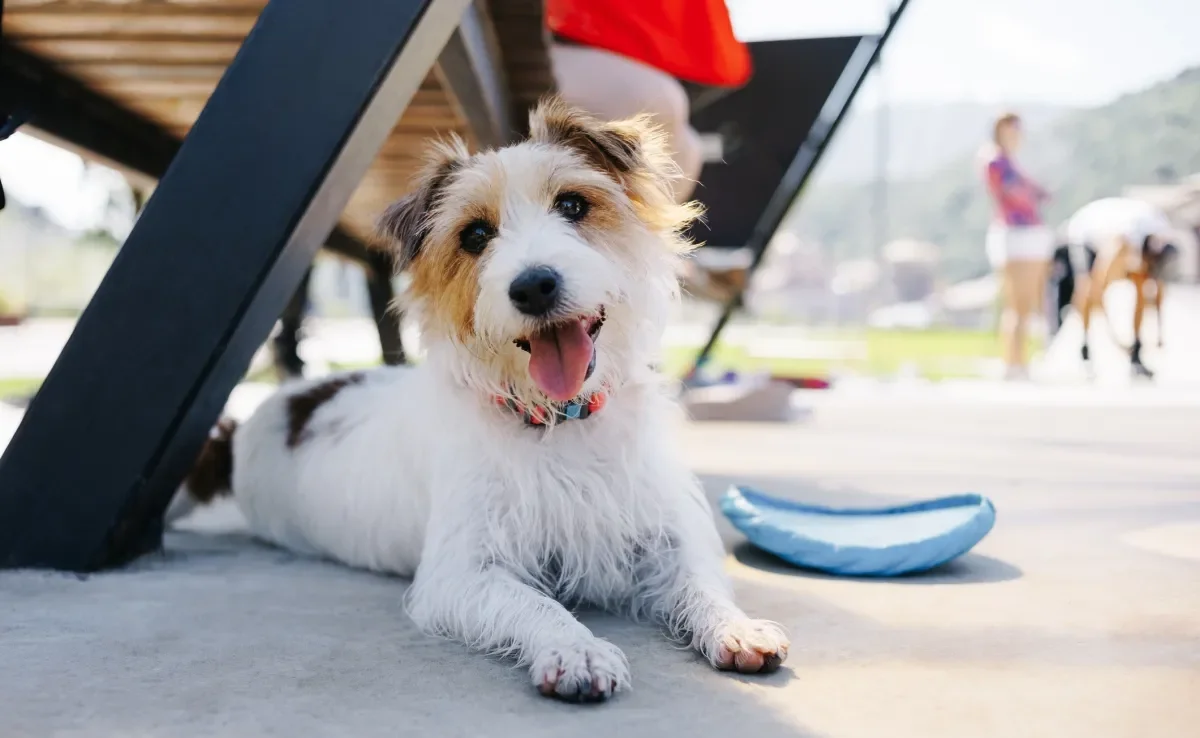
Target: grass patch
933,354
19,386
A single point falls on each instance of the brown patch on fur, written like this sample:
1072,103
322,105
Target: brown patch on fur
301,406
446,279
633,152
406,221
610,147
212,474
603,214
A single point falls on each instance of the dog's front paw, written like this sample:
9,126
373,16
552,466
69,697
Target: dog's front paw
748,646
589,671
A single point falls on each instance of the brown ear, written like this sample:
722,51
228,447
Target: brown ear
619,147
406,222
635,152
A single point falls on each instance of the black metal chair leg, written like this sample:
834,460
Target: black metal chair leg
252,193
286,345
387,320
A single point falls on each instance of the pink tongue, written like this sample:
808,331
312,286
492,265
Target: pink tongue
559,358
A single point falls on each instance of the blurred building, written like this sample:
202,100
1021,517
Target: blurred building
912,268
971,303
793,281
854,290
45,267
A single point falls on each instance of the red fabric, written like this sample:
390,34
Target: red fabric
689,39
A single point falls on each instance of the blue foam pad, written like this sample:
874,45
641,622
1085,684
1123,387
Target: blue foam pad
861,542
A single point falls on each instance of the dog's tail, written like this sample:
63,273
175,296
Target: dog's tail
211,475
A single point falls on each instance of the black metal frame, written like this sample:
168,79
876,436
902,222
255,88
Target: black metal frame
66,112
472,67
802,166
69,114
253,191
379,267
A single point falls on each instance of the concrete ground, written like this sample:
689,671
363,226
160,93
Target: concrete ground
1078,616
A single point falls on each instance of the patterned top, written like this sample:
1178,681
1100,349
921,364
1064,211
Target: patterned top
1018,199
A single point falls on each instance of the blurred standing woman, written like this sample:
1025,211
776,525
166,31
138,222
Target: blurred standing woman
1019,245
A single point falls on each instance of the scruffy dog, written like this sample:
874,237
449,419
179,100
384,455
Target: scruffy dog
529,464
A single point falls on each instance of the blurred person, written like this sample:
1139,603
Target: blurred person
619,58
1118,238
1019,245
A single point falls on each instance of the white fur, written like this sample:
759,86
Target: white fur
417,472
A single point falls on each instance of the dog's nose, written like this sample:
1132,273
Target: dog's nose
535,291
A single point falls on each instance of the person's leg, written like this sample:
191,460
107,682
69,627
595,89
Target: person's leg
1139,311
1040,294
1092,298
1080,257
1159,285
1081,301
1139,305
1108,267
613,86
1027,278
1010,320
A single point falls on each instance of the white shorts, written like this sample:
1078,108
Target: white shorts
1018,243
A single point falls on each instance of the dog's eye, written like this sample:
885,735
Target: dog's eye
474,236
571,205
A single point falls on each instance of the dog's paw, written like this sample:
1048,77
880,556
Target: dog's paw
748,646
589,671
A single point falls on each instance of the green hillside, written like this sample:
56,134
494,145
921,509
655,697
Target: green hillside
1142,138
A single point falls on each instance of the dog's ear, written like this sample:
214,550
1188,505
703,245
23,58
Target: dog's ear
613,147
634,152
405,224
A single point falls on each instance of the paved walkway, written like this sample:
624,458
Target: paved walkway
1078,617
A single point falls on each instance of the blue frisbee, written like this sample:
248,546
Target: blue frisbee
878,542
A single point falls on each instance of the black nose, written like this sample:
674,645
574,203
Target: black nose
535,291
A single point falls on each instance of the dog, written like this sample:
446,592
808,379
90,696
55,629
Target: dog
529,464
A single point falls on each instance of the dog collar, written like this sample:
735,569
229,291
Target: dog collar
539,415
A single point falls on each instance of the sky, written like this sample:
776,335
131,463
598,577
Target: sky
1000,52
1066,52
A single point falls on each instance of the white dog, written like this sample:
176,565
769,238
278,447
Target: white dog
528,465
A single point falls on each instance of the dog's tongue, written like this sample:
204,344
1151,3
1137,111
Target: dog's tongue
559,358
